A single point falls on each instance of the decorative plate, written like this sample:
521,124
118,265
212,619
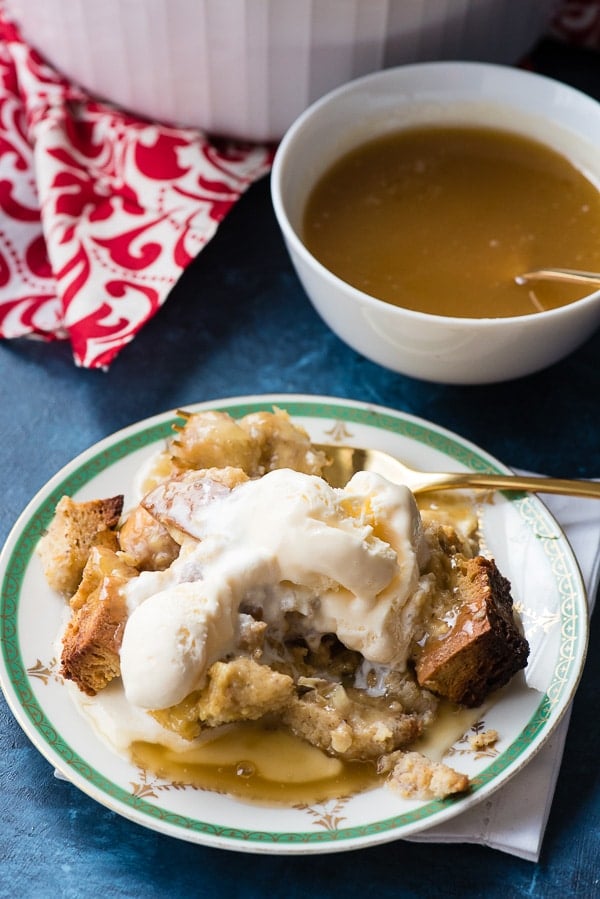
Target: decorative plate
518,532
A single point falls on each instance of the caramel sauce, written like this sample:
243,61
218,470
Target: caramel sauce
456,506
160,468
451,723
443,219
255,763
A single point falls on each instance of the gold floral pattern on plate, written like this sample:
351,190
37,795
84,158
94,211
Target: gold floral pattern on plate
326,814
474,742
46,672
339,432
150,786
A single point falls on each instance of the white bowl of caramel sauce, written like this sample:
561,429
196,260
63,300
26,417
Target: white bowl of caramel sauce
412,199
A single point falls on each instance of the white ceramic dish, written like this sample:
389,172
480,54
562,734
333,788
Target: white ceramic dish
247,68
520,533
439,348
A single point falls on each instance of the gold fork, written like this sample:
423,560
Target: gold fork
347,460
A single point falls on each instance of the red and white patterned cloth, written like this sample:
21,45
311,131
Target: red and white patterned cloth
100,212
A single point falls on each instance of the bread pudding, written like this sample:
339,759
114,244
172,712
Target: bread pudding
245,596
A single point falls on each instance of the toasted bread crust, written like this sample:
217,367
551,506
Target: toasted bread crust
483,649
76,526
92,639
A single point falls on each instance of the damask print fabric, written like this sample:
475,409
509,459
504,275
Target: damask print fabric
100,212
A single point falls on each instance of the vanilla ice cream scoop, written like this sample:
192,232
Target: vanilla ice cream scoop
346,560
164,646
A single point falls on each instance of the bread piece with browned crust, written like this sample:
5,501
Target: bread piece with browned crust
92,638
483,647
76,526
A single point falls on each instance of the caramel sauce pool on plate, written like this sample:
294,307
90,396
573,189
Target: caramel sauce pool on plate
254,763
443,219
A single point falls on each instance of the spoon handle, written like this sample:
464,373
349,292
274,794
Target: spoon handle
561,274
567,486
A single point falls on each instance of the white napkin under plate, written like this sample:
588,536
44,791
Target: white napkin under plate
514,818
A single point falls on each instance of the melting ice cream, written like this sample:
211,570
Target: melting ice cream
346,561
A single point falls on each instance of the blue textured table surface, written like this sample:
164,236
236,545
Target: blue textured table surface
239,323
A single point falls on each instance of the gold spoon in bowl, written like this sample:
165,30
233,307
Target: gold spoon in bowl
569,275
347,460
